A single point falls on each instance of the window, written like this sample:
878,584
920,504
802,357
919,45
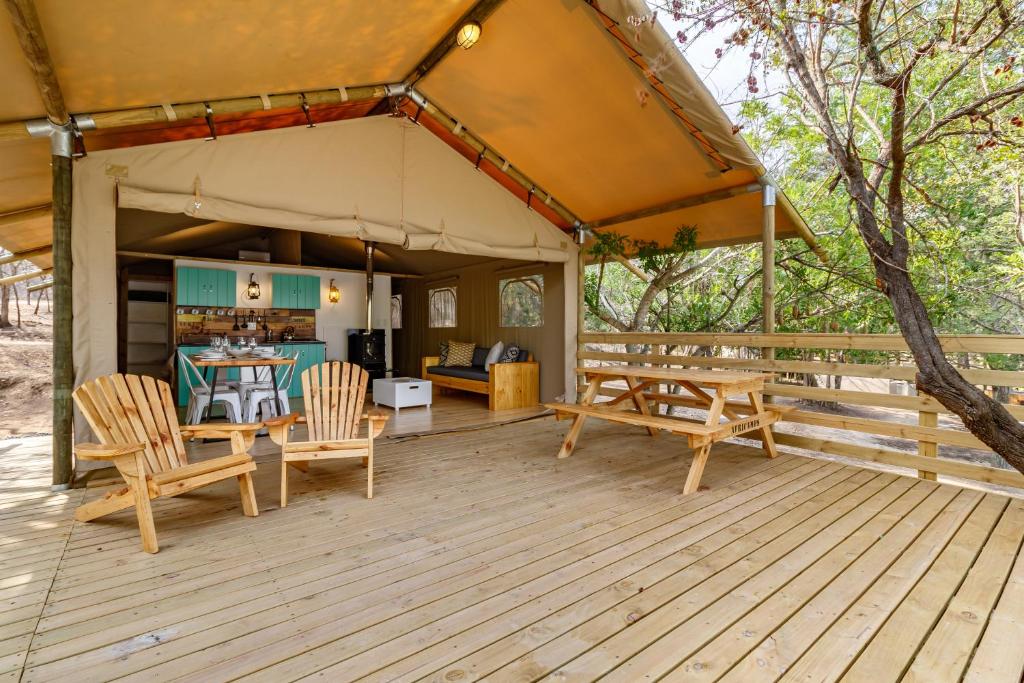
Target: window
396,311
442,307
522,301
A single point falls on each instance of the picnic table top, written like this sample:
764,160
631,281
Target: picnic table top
705,377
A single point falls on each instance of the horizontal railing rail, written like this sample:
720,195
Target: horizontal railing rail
671,349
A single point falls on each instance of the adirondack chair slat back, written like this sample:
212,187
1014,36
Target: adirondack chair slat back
333,394
124,409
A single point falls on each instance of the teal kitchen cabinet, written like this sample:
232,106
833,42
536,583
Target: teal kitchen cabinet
295,291
206,287
308,356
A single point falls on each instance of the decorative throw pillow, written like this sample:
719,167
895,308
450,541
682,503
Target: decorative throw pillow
443,356
460,354
494,355
510,354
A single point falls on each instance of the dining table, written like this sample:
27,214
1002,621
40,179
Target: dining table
254,361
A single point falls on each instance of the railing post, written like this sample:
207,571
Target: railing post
768,270
927,418
581,267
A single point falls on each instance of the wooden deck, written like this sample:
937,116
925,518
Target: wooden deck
482,555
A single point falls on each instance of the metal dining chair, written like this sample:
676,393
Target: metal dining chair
256,395
199,394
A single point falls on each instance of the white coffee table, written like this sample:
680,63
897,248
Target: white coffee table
402,392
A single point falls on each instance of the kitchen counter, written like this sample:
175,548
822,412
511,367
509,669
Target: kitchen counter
205,341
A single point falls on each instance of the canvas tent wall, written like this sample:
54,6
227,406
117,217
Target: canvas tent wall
379,179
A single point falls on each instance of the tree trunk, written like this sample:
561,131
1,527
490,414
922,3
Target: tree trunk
5,306
936,376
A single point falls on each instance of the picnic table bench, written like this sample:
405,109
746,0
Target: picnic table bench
710,390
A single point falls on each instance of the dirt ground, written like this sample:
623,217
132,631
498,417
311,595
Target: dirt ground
25,373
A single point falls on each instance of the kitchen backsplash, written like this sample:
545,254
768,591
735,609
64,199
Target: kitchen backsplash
197,325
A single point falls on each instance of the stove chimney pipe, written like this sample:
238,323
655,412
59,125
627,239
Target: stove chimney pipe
370,248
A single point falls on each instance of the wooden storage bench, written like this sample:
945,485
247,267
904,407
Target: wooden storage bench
507,385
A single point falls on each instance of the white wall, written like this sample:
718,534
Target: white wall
333,321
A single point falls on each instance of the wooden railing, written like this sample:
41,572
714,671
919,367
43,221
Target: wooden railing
878,356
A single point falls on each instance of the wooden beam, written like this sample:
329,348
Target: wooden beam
675,205
33,45
120,118
478,13
11,279
41,286
27,254
23,215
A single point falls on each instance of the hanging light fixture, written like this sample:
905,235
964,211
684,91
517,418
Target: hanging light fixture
333,293
468,34
253,290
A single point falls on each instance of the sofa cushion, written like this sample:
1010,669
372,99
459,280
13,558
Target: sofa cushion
480,356
474,373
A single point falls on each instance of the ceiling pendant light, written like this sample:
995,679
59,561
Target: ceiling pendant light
468,34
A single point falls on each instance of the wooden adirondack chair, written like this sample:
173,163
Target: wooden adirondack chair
137,424
333,394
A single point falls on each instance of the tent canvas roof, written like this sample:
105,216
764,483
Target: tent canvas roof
552,87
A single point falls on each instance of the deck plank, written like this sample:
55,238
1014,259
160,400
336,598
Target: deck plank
999,657
484,556
833,652
949,646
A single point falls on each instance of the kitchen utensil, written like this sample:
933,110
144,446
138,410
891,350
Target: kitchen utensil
235,327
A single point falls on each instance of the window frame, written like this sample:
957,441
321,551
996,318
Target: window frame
534,281
435,291
396,298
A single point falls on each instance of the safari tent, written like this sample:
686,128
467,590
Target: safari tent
388,133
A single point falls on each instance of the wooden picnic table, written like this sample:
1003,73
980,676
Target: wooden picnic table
710,390
253,362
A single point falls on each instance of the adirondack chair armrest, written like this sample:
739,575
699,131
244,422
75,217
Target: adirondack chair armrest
377,422
95,451
289,419
278,427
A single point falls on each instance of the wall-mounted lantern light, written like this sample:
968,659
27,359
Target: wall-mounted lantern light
468,35
333,293
253,290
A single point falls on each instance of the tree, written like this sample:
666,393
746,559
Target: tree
883,83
